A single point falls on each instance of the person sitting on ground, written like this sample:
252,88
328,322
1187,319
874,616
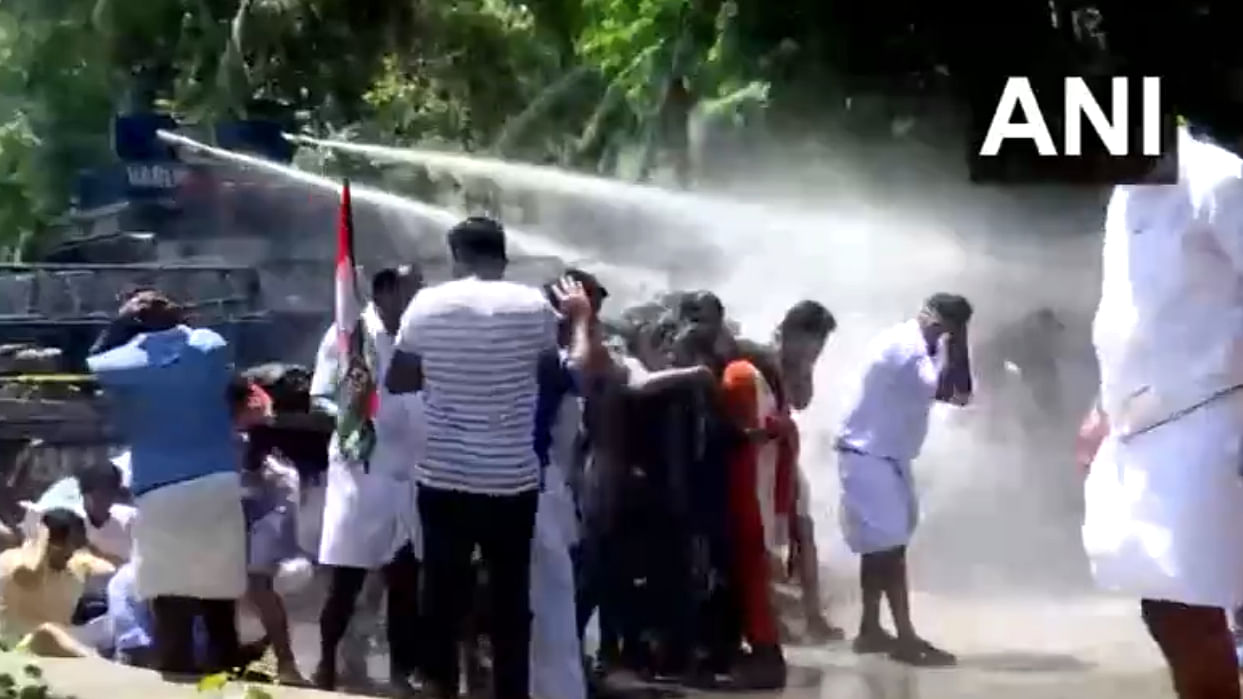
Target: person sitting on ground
41,582
94,494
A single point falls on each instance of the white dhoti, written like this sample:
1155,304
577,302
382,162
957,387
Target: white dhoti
371,513
556,654
879,509
190,539
1164,510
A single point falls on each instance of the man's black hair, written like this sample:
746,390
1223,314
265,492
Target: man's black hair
386,279
62,525
98,476
697,300
952,308
591,284
810,317
478,238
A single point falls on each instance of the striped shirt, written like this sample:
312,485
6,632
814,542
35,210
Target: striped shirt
480,343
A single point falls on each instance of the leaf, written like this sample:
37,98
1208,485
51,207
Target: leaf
213,683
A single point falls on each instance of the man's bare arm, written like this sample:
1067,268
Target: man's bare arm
640,381
405,373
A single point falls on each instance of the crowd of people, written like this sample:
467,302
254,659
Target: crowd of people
522,467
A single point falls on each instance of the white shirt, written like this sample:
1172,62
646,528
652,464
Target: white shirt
890,410
370,513
1169,328
480,343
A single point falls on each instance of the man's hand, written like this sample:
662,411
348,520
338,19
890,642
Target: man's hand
1091,434
572,299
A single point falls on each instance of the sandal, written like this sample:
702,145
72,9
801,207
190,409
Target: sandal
921,653
873,643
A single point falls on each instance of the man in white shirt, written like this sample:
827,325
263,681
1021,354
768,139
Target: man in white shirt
909,367
370,520
472,346
1164,495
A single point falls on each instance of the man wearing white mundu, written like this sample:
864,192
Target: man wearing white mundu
1164,444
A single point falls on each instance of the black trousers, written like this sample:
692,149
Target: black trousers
401,577
454,523
174,634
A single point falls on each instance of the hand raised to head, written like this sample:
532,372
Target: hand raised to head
572,299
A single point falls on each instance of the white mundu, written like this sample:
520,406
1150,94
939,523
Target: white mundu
370,514
1164,496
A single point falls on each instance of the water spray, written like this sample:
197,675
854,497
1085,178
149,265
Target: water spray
529,243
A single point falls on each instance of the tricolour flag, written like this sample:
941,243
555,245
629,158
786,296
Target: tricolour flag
357,397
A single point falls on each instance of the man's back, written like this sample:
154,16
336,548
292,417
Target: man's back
169,391
1169,326
480,343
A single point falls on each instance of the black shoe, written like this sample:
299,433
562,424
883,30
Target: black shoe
920,653
763,670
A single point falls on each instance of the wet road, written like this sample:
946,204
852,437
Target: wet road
1017,648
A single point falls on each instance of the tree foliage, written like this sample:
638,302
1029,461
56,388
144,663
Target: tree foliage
570,81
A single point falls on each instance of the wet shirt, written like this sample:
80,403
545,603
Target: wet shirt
480,342
167,392
890,409
1169,328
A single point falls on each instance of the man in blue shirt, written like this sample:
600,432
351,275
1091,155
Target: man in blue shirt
167,384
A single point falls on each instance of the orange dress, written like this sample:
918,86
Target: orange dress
760,498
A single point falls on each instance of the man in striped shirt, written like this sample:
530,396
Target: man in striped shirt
473,346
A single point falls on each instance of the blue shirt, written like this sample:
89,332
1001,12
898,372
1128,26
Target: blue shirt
168,398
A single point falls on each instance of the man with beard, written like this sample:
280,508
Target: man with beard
910,366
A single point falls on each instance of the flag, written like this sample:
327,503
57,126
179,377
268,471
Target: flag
357,395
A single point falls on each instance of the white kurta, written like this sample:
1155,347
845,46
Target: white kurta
1164,496
883,433
556,653
369,514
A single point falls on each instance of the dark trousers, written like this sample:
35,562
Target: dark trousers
174,634
1197,646
454,523
401,577
604,581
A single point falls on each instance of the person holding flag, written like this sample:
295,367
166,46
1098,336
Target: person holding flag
371,516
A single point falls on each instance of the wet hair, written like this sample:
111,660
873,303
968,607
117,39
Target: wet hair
595,290
697,301
385,280
810,318
63,525
952,308
152,311
97,477
478,238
